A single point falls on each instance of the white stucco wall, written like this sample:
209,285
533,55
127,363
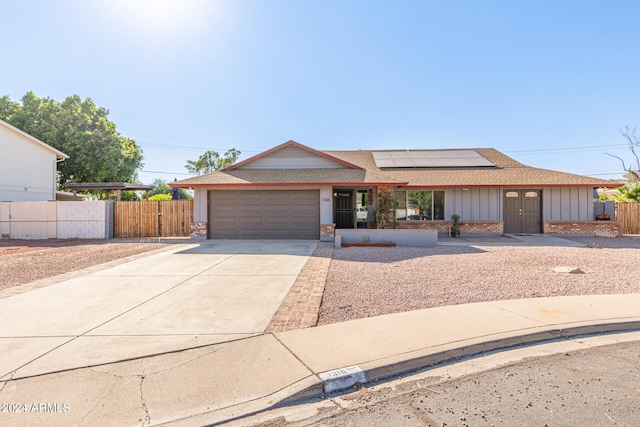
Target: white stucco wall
200,200
27,169
326,205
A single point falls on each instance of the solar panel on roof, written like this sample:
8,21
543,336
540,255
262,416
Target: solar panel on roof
429,159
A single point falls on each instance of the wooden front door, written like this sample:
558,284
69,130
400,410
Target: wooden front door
522,212
343,209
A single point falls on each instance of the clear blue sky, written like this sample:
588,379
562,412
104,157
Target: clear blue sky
550,83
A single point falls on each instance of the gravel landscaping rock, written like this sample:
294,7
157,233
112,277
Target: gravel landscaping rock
25,261
365,282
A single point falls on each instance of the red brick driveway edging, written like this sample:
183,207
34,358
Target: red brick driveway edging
300,307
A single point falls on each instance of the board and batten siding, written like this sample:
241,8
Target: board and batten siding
567,204
474,204
27,170
486,204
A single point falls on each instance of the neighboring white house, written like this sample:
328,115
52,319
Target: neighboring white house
28,166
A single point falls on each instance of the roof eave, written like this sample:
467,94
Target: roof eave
392,184
287,184
59,154
511,185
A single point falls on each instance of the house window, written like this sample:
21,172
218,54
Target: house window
420,205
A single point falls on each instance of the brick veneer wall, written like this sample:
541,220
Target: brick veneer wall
327,231
488,227
198,230
599,228
439,226
480,227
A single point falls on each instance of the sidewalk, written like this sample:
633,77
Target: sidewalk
509,240
221,382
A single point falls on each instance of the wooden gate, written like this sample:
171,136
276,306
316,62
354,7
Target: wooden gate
165,218
628,215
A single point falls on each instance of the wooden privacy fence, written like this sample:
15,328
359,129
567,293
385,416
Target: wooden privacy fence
166,218
628,215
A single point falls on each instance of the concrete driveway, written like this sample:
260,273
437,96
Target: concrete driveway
187,296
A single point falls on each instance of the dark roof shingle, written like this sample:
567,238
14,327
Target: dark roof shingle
507,172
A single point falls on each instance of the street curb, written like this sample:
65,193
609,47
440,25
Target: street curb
430,359
451,355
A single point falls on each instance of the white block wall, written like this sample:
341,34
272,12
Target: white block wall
81,220
5,229
54,220
30,220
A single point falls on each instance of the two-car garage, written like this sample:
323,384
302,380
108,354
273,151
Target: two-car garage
257,214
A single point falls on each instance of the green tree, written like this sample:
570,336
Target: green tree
211,161
629,192
158,197
7,107
97,151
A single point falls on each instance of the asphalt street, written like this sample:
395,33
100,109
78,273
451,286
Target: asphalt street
598,386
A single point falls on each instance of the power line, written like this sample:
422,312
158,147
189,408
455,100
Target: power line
566,150
166,173
601,174
191,147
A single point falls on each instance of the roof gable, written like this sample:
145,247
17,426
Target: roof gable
59,154
292,155
293,164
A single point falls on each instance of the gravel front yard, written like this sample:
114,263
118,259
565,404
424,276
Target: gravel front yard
365,282
25,261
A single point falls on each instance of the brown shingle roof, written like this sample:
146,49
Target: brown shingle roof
507,172
290,176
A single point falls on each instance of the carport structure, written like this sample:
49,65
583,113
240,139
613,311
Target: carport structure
107,186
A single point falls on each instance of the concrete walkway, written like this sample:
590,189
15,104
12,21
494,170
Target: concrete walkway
509,240
250,371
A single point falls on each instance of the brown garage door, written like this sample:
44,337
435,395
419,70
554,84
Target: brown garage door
264,214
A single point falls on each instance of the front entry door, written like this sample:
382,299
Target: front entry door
343,205
522,211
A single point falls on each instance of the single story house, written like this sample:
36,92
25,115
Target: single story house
28,166
294,191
